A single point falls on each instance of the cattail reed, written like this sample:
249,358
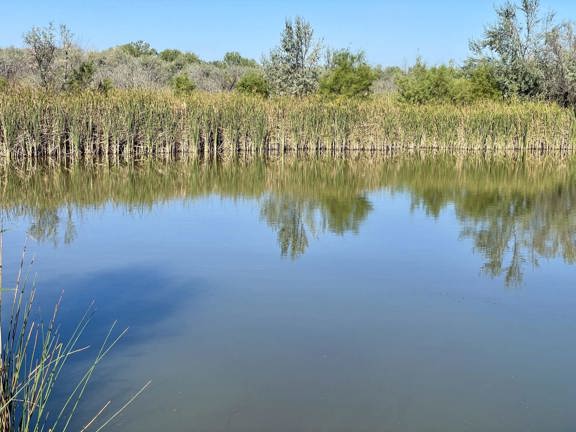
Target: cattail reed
143,123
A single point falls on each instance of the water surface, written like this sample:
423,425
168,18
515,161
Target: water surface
419,293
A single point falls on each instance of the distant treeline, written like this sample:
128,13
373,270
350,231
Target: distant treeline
524,54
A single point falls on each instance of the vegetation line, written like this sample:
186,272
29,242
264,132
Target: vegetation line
133,123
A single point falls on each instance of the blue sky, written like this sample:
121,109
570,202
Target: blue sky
390,32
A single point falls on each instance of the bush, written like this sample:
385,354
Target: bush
177,59
81,77
183,85
235,59
253,83
349,75
447,84
3,83
484,81
138,49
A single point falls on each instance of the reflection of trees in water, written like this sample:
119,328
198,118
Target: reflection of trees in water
515,211
46,225
297,218
513,229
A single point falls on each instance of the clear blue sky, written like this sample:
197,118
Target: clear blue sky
391,32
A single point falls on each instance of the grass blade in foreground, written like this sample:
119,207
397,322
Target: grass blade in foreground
32,358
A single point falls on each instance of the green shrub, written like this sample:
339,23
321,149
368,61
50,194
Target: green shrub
253,83
81,77
183,85
3,83
138,49
349,75
235,59
483,77
421,85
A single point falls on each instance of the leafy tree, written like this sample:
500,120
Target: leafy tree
45,45
558,64
174,55
254,83
348,75
139,49
513,45
293,67
183,85
235,59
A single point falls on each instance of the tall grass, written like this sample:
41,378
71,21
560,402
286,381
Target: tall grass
135,123
33,356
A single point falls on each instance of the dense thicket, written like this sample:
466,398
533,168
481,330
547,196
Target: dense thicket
524,54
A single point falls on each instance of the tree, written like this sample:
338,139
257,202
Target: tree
45,46
235,59
348,75
174,55
513,45
253,83
293,67
558,64
139,49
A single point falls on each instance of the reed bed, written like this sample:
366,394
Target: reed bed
139,123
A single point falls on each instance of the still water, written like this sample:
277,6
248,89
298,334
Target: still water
415,293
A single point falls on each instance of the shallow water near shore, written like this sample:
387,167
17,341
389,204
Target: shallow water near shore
413,293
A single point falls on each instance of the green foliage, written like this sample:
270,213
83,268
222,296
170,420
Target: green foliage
449,84
254,83
169,55
235,59
3,83
138,49
81,77
514,44
483,81
174,55
183,85
348,75
293,67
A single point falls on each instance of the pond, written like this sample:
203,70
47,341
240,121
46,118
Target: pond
423,292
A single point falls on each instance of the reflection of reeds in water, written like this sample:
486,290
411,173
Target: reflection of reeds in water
136,123
515,206
33,357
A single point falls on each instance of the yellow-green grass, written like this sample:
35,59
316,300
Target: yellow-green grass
133,123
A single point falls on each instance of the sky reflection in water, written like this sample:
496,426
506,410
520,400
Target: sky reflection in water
420,293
